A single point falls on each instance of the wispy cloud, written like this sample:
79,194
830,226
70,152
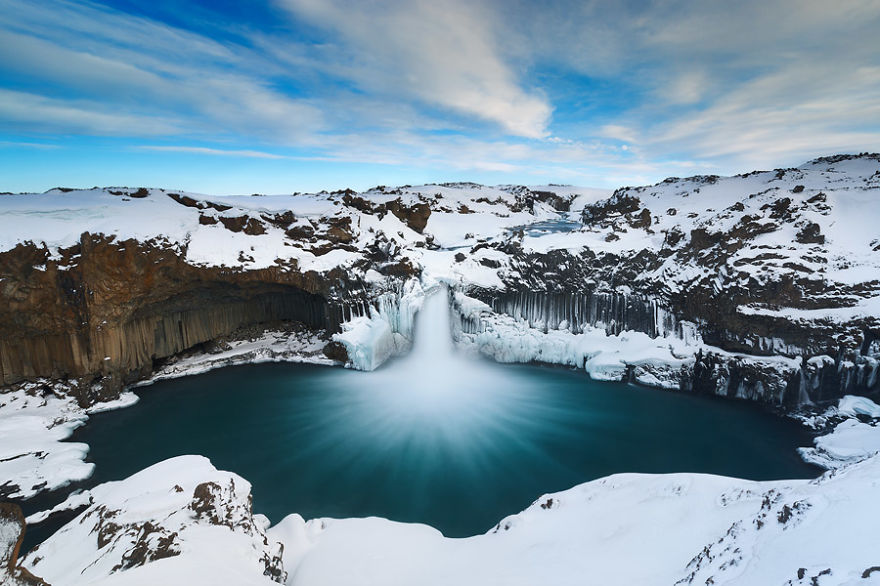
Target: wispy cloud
36,112
28,145
580,90
443,53
213,152
93,58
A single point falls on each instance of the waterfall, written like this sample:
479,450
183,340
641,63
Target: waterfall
433,330
434,371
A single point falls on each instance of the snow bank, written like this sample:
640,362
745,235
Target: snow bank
851,405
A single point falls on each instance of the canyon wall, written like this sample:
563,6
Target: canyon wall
106,312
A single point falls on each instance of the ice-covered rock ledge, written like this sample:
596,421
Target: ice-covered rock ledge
670,362
273,345
34,423
386,328
854,435
184,522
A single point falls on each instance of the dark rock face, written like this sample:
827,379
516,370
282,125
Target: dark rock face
12,527
415,216
336,351
104,314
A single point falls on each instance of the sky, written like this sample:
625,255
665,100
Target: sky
278,96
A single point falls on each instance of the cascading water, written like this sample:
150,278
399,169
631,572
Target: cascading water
433,334
433,377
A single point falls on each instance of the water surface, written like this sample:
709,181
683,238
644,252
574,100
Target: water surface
324,441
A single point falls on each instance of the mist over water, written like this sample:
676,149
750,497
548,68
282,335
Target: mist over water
433,437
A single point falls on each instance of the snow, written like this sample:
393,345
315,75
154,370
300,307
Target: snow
864,308
851,405
124,400
851,440
33,453
75,500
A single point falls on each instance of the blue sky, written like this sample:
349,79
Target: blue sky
275,96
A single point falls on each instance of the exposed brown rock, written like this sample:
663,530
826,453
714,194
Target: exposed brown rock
810,234
198,204
246,224
12,529
415,216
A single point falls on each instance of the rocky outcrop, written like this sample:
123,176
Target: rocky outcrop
12,528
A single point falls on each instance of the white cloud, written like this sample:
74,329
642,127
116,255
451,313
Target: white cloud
443,53
452,85
38,112
741,84
141,70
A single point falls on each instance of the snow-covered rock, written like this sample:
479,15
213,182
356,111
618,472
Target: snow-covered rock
33,455
852,406
180,521
851,440
12,528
